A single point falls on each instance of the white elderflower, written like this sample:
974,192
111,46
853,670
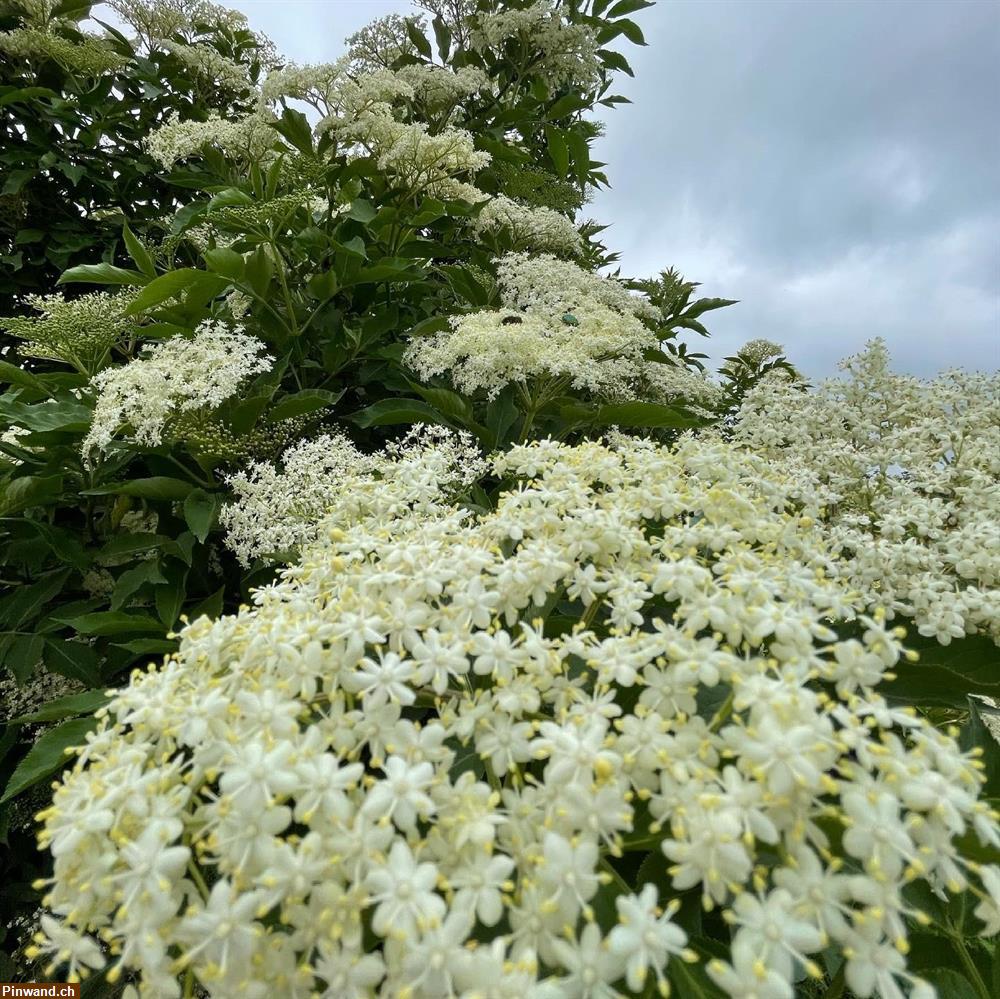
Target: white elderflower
329,480
904,474
245,139
646,938
391,770
560,325
176,376
540,230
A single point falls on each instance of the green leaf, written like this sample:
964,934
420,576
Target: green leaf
442,35
558,150
148,646
48,754
298,403
101,274
138,252
65,544
13,375
418,38
625,7
86,702
200,512
393,411
74,660
580,152
950,984
362,211
61,414
210,606
451,404
632,32
25,94
28,491
226,262
501,414
104,623
23,603
946,674
294,126
322,286
170,597
16,179
394,269
173,284
976,735
156,487
259,271
21,654
706,305
642,414
133,579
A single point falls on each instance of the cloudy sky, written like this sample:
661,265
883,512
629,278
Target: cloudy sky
833,164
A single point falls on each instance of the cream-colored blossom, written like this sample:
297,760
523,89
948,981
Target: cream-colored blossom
541,230
410,765
176,376
907,475
329,479
245,138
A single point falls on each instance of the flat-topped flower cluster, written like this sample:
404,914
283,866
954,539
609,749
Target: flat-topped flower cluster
907,475
418,765
559,327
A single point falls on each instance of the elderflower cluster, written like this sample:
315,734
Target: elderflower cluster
416,159
88,54
540,229
441,87
80,330
155,19
907,473
176,376
566,54
422,762
666,383
209,63
560,325
329,479
247,138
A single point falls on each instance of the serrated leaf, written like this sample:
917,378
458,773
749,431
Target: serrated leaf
102,274
86,702
21,654
394,411
419,39
156,487
226,262
200,511
299,403
174,284
625,7
706,305
137,251
558,150
73,660
643,414
11,374
48,754
294,126
105,623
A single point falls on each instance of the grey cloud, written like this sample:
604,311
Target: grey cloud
831,164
